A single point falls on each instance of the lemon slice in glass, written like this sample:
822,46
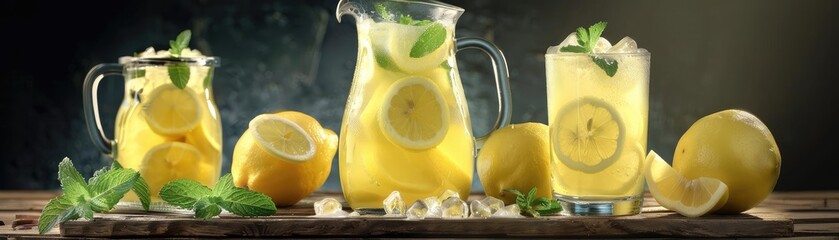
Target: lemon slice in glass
588,135
174,160
172,111
282,137
691,198
414,114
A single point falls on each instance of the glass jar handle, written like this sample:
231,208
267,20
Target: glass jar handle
502,81
91,105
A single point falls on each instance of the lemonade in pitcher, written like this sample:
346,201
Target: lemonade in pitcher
598,98
406,126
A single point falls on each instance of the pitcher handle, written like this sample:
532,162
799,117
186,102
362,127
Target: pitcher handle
91,105
502,81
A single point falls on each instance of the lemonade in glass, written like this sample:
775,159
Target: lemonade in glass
597,113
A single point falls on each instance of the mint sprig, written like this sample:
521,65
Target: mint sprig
431,38
179,72
586,41
207,203
535,207
81,199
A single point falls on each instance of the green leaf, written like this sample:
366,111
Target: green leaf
71,180
384,60
430,39
115,165
445,65
582,38
382,11
548,207
406,19
141,189
594,33
574,49
243,202
179,74
224,186
108,188
421,23
181,42
531,195
205,209
83,209
183,192
208,80
610,66
58,210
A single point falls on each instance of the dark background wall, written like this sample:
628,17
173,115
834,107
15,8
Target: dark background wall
776,59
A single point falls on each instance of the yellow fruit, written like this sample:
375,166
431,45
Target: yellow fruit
735,147
589,135
286,155
402,39
175,160
516,157
171,111
414,114
691,198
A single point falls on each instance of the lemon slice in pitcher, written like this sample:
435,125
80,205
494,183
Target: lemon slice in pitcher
691,198
172,111
282,137
174,160
414,114
418,48
589,135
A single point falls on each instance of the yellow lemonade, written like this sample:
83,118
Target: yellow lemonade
406,126
598,127
168,133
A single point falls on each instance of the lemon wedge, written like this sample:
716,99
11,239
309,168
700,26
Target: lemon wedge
283,137
171,111
174,160
588,134
691,198
414,114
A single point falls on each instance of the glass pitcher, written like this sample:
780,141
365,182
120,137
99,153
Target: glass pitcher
161,130
406,125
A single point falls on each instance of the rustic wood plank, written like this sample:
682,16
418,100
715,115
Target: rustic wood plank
22,205
28,195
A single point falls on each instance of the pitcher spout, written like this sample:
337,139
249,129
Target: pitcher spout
346,7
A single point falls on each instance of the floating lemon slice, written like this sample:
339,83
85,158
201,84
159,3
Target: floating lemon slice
414,114
282,137
174,160
691,198
589,135
172,111
402,40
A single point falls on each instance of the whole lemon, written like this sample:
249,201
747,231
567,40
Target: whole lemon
285,155
735,147
516,157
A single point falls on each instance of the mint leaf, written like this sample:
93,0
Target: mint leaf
382,11
574,49
141,189
430,39
243,202
384,60
594,33
57,210
421,23
582,38
183,192
179,74
84,210
224,186
115,165
545,206
610,66
108,188
406,19
208,80
181,42
72,181
205,209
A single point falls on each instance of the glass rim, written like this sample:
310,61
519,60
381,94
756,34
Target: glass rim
432,3
162,61
570,54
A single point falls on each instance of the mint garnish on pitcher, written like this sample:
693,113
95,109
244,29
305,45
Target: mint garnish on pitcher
432,38
179,72
587,40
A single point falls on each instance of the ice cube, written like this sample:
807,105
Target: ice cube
454,207
417,211
394,205
494,204
354,214
433,205
571,39
625,45
329,207
478,209
602,45
509,211
448,193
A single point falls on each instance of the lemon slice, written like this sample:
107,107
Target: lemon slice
282,137
414,114
174,160
691,198
403,38
589,135
172,111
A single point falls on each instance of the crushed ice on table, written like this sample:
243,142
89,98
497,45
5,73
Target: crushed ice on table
329,207
454,207
433,205
354,214
447,194
478,209
509,211
493,203
394,205
417,211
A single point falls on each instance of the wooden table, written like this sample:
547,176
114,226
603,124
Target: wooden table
812,214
